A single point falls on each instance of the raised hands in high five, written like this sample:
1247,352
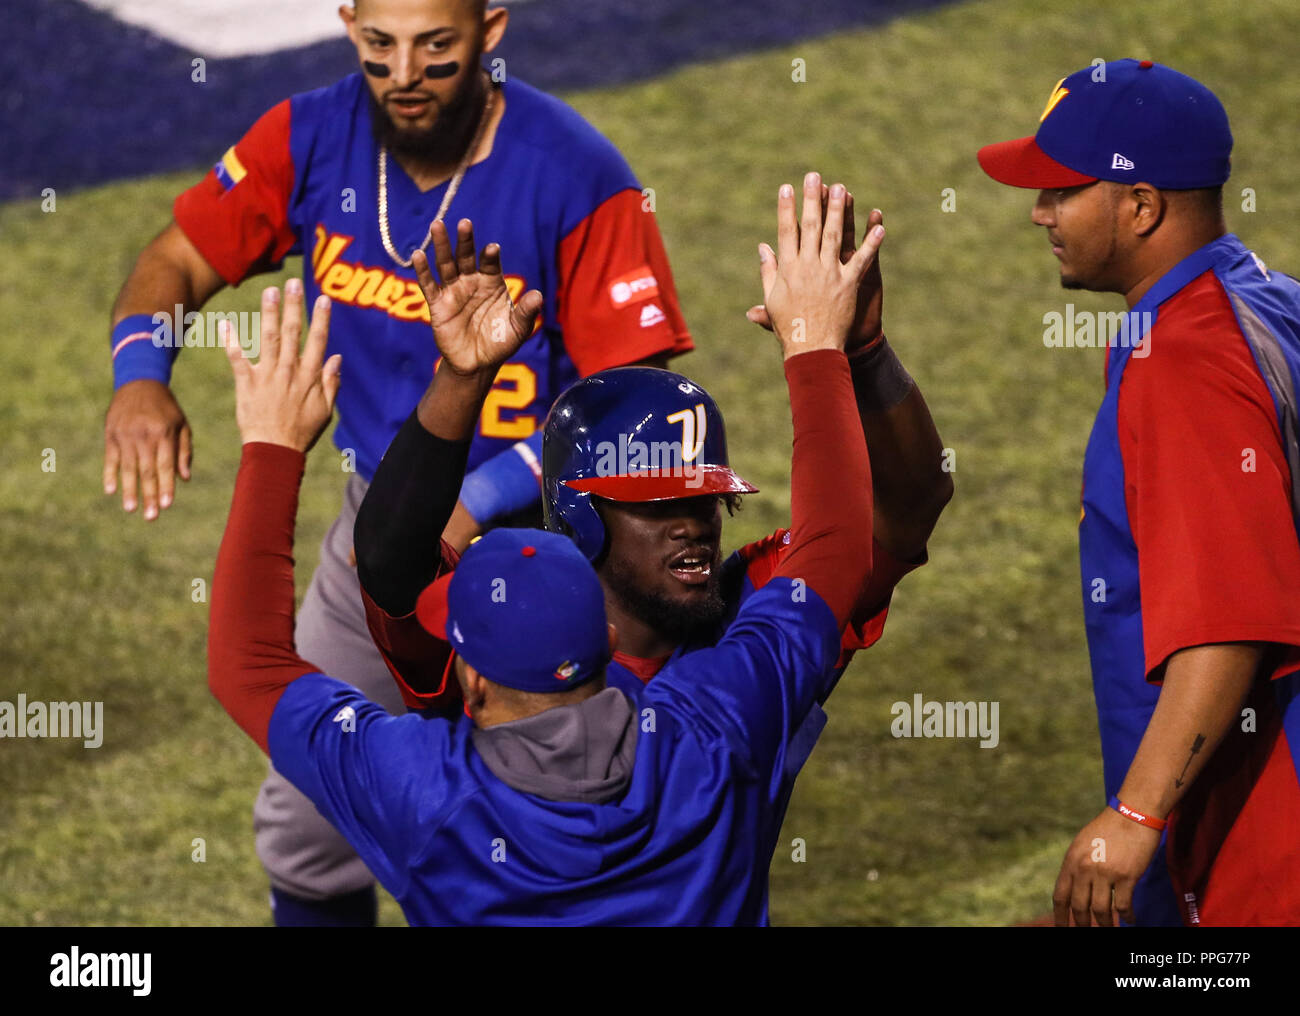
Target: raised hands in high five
475,323
829,237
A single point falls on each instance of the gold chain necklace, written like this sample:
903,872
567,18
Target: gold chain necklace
446,198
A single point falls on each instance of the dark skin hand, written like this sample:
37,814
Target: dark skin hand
475,325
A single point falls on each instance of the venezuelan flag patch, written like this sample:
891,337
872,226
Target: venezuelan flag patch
230,170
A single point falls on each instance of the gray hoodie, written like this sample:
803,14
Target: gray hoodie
580,752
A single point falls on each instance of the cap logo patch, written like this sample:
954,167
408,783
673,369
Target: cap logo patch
1058,93
1119,162
566,670
455,632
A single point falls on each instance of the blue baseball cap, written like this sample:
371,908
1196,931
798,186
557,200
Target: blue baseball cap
1126,121
524,608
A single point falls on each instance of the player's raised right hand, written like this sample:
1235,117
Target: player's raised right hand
809,294
147,439
475,323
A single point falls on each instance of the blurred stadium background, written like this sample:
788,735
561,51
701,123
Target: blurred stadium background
97,103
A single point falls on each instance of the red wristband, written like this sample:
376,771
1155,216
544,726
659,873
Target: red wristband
1149,821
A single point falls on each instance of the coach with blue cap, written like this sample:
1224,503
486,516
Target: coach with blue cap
1191,493
557,799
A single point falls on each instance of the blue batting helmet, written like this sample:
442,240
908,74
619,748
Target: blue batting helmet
630,434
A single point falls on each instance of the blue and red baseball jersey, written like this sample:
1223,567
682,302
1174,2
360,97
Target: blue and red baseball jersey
682,845
1189,537
556,195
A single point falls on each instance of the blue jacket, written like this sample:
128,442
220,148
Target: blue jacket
682,837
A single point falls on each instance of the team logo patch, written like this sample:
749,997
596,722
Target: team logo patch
694,426
566,670
638,284
344,715
1058,93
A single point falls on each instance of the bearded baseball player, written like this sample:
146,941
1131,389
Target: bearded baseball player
350,177
651,530
556,799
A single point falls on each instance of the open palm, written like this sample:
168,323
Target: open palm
475,323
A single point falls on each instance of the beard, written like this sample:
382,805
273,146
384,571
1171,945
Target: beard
447,138
677,621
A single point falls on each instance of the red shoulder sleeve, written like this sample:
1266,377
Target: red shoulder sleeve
617,302
237,215
419,662
1207,487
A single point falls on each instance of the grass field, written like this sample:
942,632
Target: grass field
95,605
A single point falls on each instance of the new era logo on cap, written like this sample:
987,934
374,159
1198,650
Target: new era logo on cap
1105,121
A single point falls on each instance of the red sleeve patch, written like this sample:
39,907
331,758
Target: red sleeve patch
237,215
617,303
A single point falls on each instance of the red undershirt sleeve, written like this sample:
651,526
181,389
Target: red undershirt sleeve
830,483
251,654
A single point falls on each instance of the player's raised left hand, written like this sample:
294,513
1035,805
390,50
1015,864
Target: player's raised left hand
475,323
286,399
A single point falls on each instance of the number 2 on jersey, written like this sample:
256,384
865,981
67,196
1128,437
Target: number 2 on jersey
520,392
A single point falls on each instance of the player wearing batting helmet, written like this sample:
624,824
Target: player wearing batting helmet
636,471
559,799
1191,495
350,176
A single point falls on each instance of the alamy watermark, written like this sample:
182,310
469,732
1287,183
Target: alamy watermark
75,969
78,720
203,330
919,718
632,457
1085,329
